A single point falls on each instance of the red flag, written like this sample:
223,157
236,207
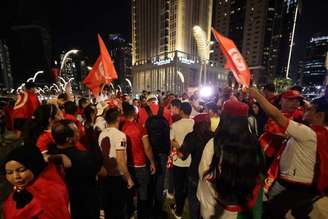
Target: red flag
106,62
102,72
235,61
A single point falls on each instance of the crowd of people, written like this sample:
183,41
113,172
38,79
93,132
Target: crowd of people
238,154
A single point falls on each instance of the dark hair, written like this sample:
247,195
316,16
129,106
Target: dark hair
176,103
70,107
213,107
297,88
186,108
112,115
129,110
202,129
39,123
321,105
241,160
251,111
270,87
30,85
62,96
82,101
88,113
61,131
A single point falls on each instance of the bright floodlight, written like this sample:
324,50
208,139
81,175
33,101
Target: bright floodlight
206,91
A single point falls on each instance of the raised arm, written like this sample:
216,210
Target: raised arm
270,109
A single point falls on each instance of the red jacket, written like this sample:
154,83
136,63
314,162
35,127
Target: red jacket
50,198
27,102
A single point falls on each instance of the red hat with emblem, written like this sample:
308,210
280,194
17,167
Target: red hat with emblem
235,108
291,94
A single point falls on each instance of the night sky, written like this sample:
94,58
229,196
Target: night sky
75,23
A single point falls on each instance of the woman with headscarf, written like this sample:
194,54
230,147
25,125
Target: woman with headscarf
39,192
229,171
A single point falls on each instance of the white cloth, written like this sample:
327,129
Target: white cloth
298,160
117,140
206,194
178,132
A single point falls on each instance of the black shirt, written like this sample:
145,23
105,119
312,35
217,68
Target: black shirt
194,144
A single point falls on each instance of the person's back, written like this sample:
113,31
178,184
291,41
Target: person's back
80,177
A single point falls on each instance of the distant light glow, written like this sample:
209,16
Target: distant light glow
206,91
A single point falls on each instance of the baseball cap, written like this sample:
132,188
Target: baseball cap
291,94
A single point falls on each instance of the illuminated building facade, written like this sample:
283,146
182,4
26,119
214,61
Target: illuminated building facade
314,70
6,80
164,52
263,31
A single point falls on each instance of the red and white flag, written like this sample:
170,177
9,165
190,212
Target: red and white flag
102,72
235,61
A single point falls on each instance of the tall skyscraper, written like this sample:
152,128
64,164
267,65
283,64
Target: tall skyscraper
6,80
263,31
120,51
314,70
283,34
164,53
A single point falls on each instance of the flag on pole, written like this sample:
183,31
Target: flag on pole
235,61
102,72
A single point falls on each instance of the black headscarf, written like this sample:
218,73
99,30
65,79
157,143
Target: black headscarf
31,158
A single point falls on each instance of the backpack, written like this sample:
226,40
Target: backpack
321,170
158,130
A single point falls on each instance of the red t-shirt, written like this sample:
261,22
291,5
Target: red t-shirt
154,107
135,150
44,140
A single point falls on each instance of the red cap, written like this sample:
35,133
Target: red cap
202,117
291,94
235,108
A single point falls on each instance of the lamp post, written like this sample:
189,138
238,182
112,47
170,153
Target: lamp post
73,51
203,50
34,76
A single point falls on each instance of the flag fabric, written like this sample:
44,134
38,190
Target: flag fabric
102,72
235,61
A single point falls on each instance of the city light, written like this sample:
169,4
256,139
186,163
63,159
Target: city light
181,76
73,51
34,76
129,82
206,91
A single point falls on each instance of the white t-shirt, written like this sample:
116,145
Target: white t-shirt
297,162
117,140
178,131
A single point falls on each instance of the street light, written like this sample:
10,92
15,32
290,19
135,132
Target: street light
34,76
129,82
73,51
202,48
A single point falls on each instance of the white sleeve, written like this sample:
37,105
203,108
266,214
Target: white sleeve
120,142
207,157
300,132
172,133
